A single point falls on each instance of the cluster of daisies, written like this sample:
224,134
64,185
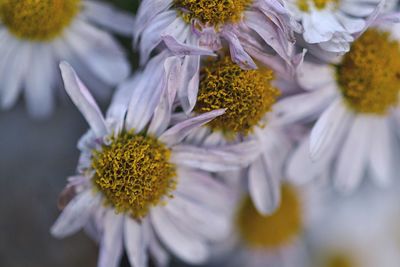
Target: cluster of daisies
244,119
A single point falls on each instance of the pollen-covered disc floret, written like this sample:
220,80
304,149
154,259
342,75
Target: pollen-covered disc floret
304,5
38,20
211,11
134,173
369,75
271,231
247,95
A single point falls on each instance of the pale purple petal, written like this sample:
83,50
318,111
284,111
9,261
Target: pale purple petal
75,214
181,130
111,248
82,98
220,158
136,241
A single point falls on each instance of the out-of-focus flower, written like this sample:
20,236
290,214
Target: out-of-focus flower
139,187
358,231
248,96
356,101
331,23
36,35
276,239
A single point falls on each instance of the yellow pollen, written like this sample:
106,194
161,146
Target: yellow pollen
304,5
38,20
211,11
246,94
134,173
271,231
369,75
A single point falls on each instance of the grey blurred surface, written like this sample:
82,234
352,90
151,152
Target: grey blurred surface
35,159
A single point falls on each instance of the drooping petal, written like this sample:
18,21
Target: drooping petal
75,214
82,98
182,129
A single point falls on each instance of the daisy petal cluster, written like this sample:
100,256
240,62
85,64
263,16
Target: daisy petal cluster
243,127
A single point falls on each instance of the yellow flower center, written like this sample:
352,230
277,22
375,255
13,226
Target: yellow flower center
38,20
134,173
271,231
246,94
338,260
369,75
211,11
304,5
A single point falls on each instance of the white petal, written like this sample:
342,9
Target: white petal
303,107
184,244
99,51
109,17
332,122
147,90
177,133
111,242
215,159
381,154
13,72
353,156
82,98
40,80
301,169
136,240
264,189
162,113
75,214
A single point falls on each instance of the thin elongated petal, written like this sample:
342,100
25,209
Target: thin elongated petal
136,240
382,158
264,189
219,158
181,49
111,242
82,98
353,156
75,215
109,17
183,243
329,126
181,130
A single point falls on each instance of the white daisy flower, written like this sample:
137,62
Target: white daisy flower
248,96
356,101
358,231
136,190
250,28
277,239
36,35
330,25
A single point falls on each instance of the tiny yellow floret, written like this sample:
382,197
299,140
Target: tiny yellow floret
134,173
271,231
247,95
304,5
369,75
38,20
212,12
